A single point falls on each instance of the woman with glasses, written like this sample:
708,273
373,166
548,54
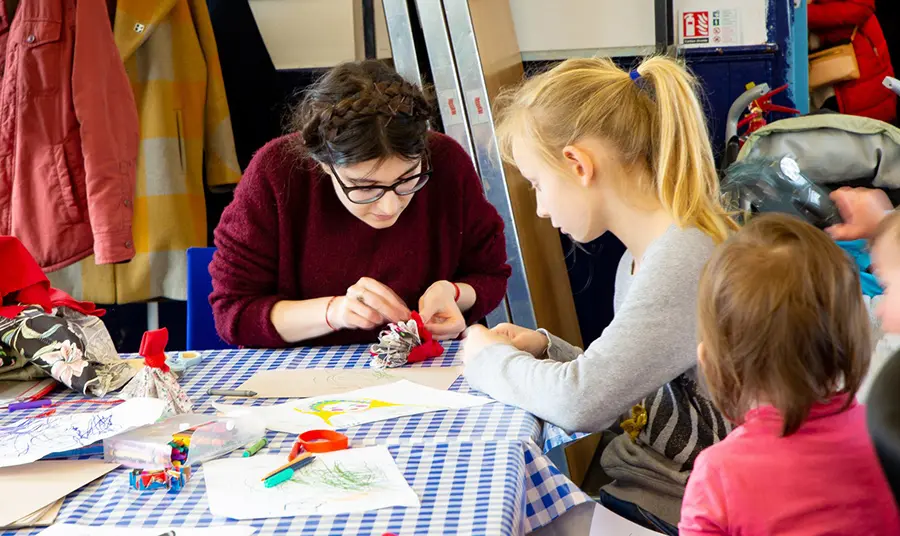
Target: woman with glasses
359,216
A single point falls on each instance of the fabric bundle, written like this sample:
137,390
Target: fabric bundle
404,342
45,332
156,380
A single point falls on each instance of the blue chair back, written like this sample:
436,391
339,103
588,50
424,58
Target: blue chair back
201,327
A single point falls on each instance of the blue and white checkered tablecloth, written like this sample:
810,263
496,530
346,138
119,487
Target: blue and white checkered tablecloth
464,488
474,469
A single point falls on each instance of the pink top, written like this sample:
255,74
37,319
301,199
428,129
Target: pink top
824,479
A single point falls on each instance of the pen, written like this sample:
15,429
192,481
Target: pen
30,405
288,473
230,392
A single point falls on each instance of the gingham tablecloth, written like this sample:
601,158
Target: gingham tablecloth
476,470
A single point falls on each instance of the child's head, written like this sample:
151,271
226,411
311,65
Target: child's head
591,137
886,260
782,320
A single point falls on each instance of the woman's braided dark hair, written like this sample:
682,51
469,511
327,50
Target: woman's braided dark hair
361,111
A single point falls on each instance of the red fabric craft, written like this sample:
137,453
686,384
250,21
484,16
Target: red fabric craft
153,349
429,347
23,283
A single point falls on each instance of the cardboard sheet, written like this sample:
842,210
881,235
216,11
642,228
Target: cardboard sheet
39,518
42,483
305,383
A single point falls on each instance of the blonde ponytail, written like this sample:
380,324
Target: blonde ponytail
686,178
654,119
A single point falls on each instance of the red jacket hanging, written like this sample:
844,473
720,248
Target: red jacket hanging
834,21
68,134
23,283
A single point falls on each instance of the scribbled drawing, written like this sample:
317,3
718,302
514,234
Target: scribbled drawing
327,409
21,437
30,439
338,477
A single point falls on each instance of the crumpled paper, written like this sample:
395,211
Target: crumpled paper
402,343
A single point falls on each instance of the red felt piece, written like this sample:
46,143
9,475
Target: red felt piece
429,347
153,348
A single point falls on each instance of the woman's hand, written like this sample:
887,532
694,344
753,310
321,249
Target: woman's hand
478,338
527,340
367,305
440,312
862,210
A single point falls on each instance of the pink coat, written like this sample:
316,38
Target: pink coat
68,134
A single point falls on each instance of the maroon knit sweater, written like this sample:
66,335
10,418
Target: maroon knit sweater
286,236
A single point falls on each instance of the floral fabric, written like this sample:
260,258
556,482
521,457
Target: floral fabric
72,348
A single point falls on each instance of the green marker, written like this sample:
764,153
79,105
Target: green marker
255,447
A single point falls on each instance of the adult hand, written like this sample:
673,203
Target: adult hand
862,209
527,340
477,338
367,305
440,312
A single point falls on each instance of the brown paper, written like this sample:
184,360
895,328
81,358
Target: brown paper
36,485
43,517
303,383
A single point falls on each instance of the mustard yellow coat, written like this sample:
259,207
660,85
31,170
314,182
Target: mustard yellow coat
171,59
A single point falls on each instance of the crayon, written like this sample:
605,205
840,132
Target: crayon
255,447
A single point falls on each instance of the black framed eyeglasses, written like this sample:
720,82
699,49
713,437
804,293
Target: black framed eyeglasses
363,195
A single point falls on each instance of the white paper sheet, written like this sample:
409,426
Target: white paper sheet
345,481
362,406
607,523
29,440
85,530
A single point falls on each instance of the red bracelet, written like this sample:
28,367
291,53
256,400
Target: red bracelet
327,307
456,287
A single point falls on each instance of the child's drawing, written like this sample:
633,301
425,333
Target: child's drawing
328,409
29,439
399,399
354,480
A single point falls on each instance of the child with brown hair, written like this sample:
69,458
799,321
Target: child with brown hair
785,343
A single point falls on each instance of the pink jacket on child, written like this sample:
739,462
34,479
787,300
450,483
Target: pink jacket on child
68,134
823,479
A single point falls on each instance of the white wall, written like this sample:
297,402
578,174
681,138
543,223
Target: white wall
321,33
316,33
543,25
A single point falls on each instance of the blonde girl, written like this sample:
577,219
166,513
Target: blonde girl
629,153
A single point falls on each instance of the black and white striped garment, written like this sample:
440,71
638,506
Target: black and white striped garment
682,421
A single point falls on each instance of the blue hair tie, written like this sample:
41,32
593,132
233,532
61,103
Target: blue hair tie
634,75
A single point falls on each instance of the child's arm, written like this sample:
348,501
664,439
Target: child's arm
703,510
650,342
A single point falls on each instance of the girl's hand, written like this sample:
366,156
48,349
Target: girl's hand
440,312
478,338
367,305
527,340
